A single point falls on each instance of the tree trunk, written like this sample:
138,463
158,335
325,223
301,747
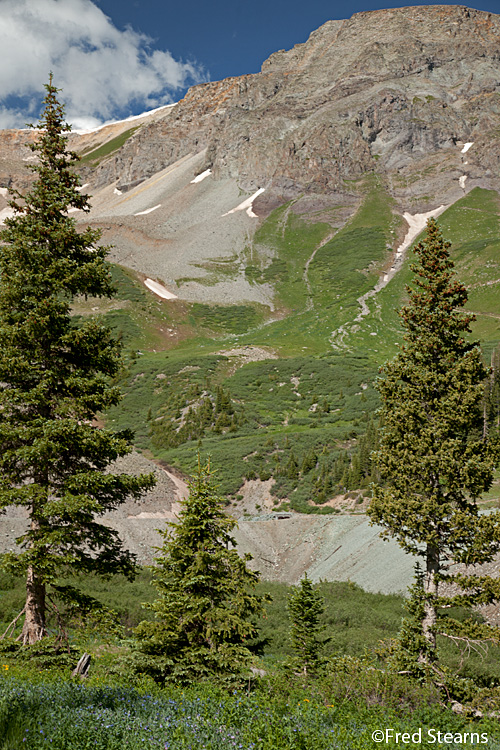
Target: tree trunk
431,591
83,666
34,622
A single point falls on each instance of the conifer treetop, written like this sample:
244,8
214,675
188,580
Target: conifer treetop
433,319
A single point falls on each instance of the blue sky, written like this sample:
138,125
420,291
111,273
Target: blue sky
114,58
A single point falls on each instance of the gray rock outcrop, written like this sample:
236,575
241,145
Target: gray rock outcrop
396,92
393,91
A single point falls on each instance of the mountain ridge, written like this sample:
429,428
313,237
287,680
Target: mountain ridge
300,125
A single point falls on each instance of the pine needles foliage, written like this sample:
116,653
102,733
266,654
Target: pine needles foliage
55,376
305,607
434,457
206,609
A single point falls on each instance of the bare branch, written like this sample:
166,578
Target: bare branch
12,625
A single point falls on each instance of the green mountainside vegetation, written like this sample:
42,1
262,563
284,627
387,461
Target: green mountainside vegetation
297,416
95,155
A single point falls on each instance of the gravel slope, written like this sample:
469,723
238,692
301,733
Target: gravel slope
340,547
173,230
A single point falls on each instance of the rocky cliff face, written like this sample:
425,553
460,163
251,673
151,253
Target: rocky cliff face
395,91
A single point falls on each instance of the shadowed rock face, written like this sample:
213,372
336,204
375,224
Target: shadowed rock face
396,91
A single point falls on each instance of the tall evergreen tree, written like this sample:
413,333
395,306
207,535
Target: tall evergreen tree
54,378
305,607
433,456
205,611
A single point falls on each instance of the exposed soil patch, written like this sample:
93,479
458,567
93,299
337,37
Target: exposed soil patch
256,497
350,501
242,355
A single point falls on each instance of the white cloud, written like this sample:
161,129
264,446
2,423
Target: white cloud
101,69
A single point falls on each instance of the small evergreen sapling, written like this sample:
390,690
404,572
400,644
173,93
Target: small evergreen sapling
55,375
433,456
305,607
205,611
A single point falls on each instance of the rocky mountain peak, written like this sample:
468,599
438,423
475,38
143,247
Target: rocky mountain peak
391,91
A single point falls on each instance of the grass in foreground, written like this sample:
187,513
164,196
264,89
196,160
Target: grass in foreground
340,712
356,623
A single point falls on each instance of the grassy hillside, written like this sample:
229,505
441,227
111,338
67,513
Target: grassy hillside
296,411
355,622
94,156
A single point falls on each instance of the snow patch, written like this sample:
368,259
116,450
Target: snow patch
148,210
6,213
82,187
159,289
84,131
246,205
467,147
117,192
417,224
461,181
201,176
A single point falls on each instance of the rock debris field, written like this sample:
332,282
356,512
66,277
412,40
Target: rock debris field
283,545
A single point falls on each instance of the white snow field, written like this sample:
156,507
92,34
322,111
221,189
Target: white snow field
159,289
417,224
201,177
148,210
246,205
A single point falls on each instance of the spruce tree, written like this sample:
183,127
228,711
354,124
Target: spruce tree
433,457
205,611
305,607
54,377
